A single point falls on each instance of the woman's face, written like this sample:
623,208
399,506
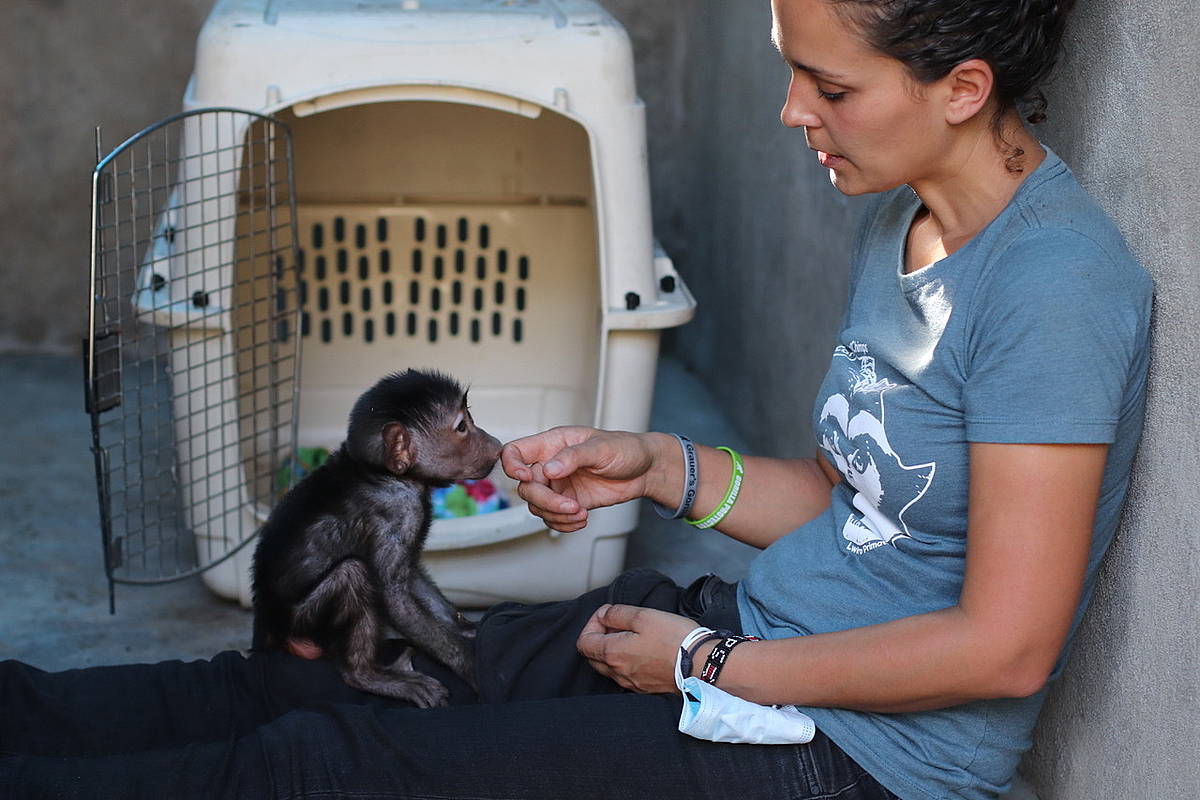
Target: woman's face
871,124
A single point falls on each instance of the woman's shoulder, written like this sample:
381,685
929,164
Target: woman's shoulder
1056,259
1056,224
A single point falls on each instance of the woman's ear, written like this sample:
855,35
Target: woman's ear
969,88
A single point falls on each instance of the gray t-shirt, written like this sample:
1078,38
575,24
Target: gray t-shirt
1035,331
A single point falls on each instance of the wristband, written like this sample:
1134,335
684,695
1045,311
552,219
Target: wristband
689,646
691,480
731,494
687,649
720,654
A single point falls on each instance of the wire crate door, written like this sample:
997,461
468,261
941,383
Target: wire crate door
192,354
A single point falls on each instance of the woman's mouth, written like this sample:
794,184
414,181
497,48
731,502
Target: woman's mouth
828,160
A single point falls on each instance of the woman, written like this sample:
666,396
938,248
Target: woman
920,577
987,382
976,426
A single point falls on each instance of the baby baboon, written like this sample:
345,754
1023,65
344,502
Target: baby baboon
338,561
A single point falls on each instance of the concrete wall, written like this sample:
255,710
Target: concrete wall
67,66
744,209
1125,113
761,239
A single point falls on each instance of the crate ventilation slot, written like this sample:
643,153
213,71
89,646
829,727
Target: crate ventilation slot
367,279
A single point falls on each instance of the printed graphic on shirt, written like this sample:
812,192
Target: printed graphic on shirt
852,430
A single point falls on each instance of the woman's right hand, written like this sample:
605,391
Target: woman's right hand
564,472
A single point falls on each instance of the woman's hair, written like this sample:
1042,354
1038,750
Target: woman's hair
1019,39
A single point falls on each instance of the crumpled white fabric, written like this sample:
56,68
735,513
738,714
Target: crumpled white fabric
715,715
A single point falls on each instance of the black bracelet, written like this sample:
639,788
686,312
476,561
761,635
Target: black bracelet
687,657
720,654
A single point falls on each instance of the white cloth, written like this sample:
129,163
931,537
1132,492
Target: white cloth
717,716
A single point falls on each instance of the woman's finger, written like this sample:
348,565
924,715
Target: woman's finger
567,525
538,497
592,645
522,458
621,617
605,670
514,462
600,645
544,498
585,455
594,625
518,455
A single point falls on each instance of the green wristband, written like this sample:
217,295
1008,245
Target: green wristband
731,494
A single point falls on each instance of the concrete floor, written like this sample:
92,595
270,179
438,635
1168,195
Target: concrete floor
54,604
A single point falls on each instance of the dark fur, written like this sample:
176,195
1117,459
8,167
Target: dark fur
338,560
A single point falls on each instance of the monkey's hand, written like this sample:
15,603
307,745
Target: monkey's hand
634,646
566,471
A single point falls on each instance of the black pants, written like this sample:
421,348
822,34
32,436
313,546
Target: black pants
271,725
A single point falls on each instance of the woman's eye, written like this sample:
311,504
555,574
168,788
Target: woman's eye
832,97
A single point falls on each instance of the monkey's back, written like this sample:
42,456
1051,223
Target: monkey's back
325,519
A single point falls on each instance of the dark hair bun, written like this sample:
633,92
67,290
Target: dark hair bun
1020,39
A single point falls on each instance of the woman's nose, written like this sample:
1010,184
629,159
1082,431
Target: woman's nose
797,110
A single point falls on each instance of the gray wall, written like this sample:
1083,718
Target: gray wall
67,66
1122,722
745,211
761,239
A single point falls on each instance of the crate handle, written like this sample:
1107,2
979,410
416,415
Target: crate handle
422,91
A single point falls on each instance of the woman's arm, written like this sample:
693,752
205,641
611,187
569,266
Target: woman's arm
1030,529
777,496
565,472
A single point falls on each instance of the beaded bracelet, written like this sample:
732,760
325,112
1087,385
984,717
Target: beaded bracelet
687,650
731,494
720,654
691,481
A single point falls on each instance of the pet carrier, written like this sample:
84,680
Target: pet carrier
355,188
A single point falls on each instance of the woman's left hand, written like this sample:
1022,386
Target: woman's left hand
634,646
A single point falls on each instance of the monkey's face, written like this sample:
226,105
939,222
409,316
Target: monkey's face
454,448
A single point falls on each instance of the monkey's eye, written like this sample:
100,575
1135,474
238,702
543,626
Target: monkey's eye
461,427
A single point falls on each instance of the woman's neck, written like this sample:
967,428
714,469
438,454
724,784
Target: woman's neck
971,188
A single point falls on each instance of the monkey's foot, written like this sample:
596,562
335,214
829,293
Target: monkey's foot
420,690
399,683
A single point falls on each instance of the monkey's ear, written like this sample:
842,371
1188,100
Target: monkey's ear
397,448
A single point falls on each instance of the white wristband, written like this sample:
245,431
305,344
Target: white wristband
689,640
